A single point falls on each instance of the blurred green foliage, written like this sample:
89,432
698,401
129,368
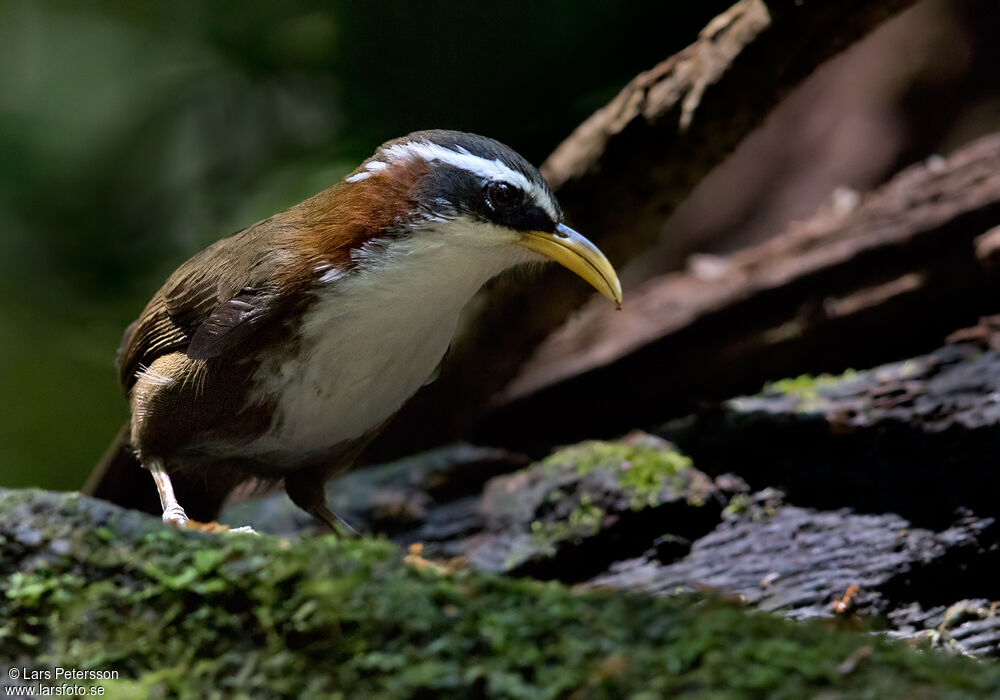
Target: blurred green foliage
133,134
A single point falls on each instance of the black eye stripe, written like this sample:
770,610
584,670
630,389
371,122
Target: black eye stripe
448,191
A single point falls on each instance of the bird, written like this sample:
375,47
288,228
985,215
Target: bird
278,353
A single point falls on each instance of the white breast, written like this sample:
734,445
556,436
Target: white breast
369,343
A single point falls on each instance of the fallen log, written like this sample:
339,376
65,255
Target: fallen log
814,564
867,280
917,437
87,585
566,517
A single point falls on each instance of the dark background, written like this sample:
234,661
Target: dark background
132,135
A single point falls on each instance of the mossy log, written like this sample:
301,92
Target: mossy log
636,514
917,437
88,585
566,517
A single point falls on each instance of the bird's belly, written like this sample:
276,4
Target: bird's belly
341,387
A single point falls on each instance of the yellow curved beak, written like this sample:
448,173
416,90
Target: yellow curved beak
574,252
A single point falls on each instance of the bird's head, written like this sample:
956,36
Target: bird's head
435,190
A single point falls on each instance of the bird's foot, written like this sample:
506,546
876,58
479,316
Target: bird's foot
415,558
214,528
178,518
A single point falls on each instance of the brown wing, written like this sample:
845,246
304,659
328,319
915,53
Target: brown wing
210,304
151,335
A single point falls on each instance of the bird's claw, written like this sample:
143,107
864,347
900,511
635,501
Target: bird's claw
175,515
245,530
215,528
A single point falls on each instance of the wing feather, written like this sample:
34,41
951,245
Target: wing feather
211,304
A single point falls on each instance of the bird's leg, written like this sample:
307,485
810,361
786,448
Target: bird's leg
172,511
306,490
333,521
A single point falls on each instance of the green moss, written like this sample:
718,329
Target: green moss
743,504
909,368
643,470
739,504
194,616
583,521
806,388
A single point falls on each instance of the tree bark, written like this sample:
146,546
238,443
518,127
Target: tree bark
623,171
859,284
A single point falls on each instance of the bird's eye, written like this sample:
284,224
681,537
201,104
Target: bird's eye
502,196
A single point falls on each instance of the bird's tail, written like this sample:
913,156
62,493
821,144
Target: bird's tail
119,478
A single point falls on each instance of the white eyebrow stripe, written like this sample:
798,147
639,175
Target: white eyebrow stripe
488,169
371,168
